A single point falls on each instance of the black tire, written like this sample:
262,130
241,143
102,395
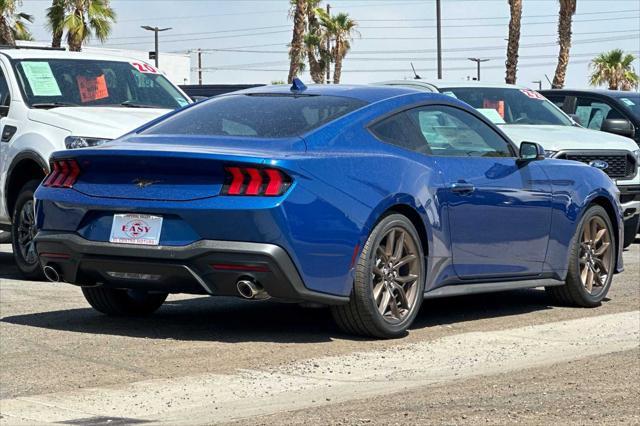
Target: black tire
574,293
361,315
630,230
22,233
116,302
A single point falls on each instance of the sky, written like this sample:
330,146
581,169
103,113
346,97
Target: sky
245,41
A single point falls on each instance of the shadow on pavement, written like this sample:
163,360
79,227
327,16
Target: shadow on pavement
234,320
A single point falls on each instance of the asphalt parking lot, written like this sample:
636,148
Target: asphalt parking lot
497,358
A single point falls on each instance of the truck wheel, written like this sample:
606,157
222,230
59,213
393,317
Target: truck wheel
389,282
23,230
591,262
630,230
116,302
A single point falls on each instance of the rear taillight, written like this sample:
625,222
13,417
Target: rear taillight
64,173
254,181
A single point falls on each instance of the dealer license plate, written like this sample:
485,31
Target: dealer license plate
139,229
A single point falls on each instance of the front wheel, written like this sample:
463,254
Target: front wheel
389,282
23,231
117,302
591,263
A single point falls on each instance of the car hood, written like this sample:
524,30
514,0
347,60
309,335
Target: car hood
98,122
558,138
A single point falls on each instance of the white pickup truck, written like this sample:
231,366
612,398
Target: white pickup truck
525,115
54,99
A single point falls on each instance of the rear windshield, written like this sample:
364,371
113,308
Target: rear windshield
256,115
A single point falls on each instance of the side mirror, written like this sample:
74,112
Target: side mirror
576,118
618,126
531,151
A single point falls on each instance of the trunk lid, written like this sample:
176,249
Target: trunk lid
170,169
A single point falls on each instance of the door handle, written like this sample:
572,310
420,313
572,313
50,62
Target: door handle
462,187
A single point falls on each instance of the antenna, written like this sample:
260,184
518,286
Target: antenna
298,85
416,76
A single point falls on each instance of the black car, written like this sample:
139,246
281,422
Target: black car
607,110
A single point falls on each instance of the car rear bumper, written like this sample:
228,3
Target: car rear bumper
204,267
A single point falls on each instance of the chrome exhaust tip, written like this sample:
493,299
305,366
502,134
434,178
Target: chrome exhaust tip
251,290
51,274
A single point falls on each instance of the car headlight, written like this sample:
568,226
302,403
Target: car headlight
549,154
73,142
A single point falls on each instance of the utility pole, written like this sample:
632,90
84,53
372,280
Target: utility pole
539,83
439,37
328,50
156,30
199,66
478,61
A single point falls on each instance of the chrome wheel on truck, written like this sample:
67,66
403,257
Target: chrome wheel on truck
389,282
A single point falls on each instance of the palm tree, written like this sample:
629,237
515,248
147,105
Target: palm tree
296,53
81,19
55,17
567,10
13,25
341,30
315,44
615,69
513,45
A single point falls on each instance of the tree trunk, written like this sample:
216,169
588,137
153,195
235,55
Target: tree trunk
56,40
567,9
337,71
315,68
296,53
514,41
76,38
6,35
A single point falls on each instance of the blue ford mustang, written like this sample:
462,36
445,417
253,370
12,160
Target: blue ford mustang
367,199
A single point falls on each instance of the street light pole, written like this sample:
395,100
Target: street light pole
439,37
155,30
478,61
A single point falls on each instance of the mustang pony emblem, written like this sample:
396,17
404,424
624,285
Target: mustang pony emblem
143,183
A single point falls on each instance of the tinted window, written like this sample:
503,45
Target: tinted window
96,83
4,90
511,105
631,102
593,112
257,115
441,130
558,100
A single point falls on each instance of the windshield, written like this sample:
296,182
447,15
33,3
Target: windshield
48,83
510,105
256,115
630,102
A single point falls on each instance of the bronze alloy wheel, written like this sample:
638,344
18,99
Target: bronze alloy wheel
395,274
596,255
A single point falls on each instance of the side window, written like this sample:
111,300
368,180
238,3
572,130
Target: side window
5,97
593,112
450,131
558,100
400,130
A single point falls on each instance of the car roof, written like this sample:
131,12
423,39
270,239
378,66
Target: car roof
445,84
362,92
602,92
30,53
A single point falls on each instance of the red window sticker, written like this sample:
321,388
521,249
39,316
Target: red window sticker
497,105
144,68
92,88
533,94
